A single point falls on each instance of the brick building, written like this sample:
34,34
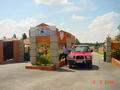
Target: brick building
11,50
62,37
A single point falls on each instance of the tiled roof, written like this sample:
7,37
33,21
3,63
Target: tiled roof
42,24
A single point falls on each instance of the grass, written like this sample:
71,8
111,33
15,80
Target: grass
101,53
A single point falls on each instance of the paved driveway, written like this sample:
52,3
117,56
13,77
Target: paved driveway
15,77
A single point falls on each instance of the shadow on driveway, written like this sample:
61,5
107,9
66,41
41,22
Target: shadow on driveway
15,62
64,70
94,67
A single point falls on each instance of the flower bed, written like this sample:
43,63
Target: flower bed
46,67
116,62
42,67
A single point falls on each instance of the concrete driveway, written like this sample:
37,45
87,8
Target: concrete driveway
16,77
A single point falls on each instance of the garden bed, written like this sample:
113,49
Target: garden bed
116,62
46,67
101,53
42,67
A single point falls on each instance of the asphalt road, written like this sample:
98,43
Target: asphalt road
16,77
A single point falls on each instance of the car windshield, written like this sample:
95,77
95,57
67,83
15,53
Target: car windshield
80,49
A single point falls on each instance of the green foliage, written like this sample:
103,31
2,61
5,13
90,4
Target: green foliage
24,36
118,37
115,51
4,37
48,56
77,42
40,59
100,53
14,36
97,45
60,51
91,44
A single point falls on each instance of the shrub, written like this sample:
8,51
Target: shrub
115,53
118,37
40,59
60,51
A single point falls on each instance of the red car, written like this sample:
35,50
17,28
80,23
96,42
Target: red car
80,54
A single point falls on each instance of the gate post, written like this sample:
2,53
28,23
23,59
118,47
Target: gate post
33,52
54,50
21,50
108,49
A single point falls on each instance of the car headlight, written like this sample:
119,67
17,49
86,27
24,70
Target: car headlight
89,57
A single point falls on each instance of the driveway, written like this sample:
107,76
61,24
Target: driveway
16,77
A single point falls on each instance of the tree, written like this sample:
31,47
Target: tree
77,42
14,36
24,36
4,37
97,45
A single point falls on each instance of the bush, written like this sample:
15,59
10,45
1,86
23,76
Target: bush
115,53
40,59
118,38
60,52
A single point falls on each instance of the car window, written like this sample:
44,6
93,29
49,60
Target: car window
80,49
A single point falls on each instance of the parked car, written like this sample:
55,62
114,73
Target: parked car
80,54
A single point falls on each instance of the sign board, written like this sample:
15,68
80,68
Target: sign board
43,31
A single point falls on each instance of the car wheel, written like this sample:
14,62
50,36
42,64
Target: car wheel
70,64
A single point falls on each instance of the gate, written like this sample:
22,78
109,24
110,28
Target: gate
27,53
8,50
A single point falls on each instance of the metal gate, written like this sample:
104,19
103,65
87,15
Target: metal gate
27,53
8,50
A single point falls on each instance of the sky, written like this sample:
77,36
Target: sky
88,20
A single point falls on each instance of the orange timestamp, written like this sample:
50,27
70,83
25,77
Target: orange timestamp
103,82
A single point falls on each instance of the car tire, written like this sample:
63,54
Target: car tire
70,64
89,64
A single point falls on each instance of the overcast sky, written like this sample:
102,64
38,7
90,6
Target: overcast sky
88,20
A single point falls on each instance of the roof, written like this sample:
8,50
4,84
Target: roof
26,41
42,24
80,45
10,39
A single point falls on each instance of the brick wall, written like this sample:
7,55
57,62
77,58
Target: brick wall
16,54
16,50
1,51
